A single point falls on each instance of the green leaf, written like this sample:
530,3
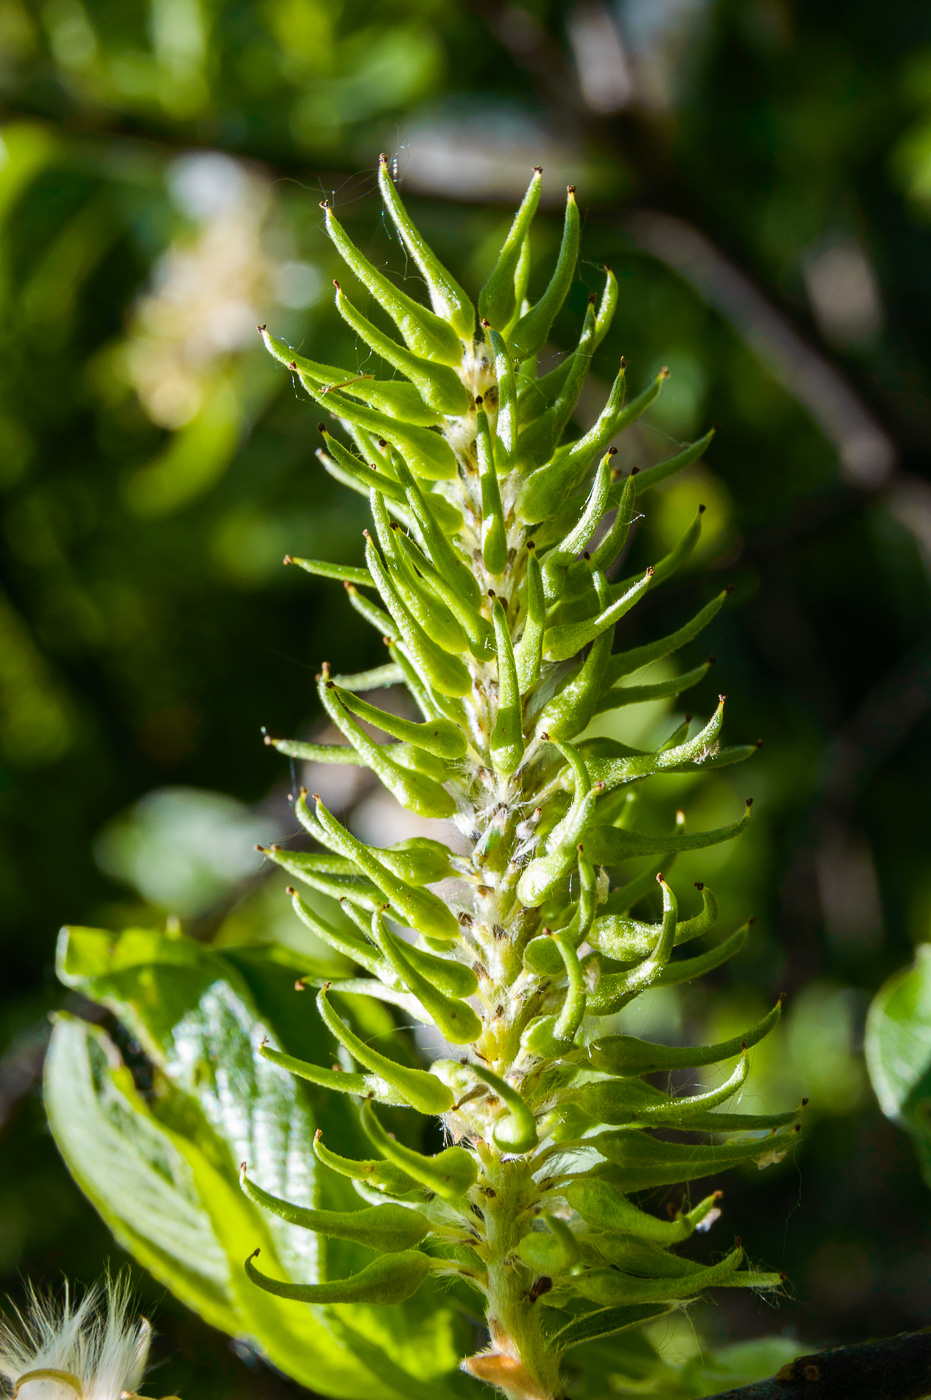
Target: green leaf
898,1052
163,1169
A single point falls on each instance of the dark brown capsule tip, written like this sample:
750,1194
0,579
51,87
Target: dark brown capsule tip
321,427
758,744
612,451
738,1242
729,588
749,801
260,329
255,1254
538,169
531,544
291,890
699,885
635,471
702,509
257,847
804,1103
650,572
592,298
570,189
336,285
292,364
623,362
382,443
711,660
752,919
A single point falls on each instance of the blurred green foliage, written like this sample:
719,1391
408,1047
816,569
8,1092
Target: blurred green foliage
161,168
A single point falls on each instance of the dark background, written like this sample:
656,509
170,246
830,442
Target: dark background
758,174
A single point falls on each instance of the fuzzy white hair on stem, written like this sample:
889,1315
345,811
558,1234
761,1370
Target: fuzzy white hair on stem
59,1347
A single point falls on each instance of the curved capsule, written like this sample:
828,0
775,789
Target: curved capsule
610,547
625,662
516,1130
609,845
342,941
437,385
380,1176
545,490
386,1280
530,333
632,1101
653,475
550,1251
671,562
575,541
400,401
454,1019
656,690
572,708
449,1173
386,1228
603,1207
438,736
614,771
644,1162
565,640
496,301
425,333
614,990
417,1087
544,873
539,434
421,908
475,627
429,454
626,1055
449,300
440,670
415,791
609,1287
549,1037
627,939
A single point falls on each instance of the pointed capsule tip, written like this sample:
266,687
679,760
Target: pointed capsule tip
299,986
261,329
702,509
254,1255
729,589
612,452
659,878
804,1103
721,699
699,885
758,744
749,801
538,169
291,891
781,998
292,364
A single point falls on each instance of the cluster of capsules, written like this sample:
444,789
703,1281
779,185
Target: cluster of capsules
489,571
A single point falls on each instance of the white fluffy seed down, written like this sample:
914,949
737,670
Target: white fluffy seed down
58,1348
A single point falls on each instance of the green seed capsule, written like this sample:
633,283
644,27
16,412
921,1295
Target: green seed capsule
604,1208
516,1130
614,771
496,301
438,736
663,470
548,1037
551,1251
449,1173
609,846
529,650
400,401
416,1087
381,1176
386,1228
573,706
341,940
425,334
623,663
506,420
442,553
475,627
626,1055
416,791
449,300
564,641
507,739
453,1018
494,531
644,1162
610,1288
438,669
427,453
438,385
575,541
530,333
387,1280
628,939
446,974
422,909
